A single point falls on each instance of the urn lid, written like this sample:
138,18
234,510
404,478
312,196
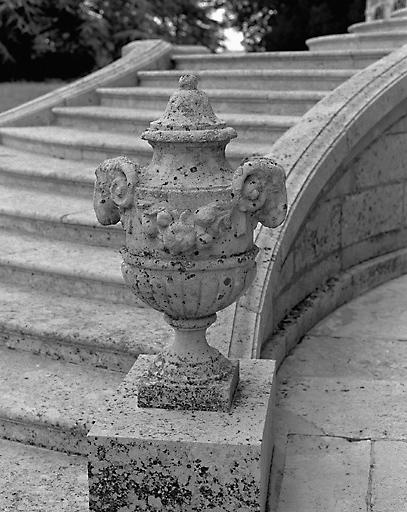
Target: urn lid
188,111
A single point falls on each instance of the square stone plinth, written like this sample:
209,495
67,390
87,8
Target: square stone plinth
184,461
169,395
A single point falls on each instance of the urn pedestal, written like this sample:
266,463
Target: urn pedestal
189,220
151,459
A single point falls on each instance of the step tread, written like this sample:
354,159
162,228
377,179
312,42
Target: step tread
39,480
80,321
51,206
56,256
255,73
74,137
45,167
362,35
120,142
37,390
228,94
149,115
298,55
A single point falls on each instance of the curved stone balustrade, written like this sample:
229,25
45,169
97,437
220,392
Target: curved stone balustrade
346,229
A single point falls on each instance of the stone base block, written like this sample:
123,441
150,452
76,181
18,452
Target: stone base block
217,396
143,459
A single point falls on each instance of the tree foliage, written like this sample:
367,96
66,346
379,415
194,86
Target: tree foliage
286,24
67,38
177,21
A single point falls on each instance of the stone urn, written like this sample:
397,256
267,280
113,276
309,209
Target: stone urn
189,220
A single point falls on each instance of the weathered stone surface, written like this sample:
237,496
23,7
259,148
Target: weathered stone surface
78,330
51,403
371,212
39,480
320,236
320,151
325,474
346,383
359,408
380,313
389,475
367,357
281,60
189,240
385,40
158,459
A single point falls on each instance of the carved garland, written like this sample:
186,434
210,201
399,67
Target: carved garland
257,191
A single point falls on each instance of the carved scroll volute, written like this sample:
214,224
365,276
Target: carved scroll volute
260,192
114,189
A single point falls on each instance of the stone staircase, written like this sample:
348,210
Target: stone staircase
69,327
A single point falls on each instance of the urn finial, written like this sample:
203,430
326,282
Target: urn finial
188,109
189,220
188,82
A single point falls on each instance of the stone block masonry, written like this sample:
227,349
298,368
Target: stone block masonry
184,461
360,214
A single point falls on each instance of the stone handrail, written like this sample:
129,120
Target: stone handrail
312,152
148,54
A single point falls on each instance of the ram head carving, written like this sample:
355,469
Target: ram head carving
259,190
116,179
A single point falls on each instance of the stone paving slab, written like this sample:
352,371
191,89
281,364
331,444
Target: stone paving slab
347,382
39,480
381,313
388,488
349,407
365,358
325,474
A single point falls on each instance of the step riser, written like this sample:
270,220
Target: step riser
93,154
300,62
78,286
248,133
276,107
326,45
98,236
77,189
67,350
69,441
275,84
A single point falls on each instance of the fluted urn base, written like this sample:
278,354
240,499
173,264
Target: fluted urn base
190,374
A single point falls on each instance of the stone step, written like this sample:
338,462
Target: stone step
130,120
40,172
51,403
96,146
78,330
281,60
232,101
252,79
39,480
362,41
55,215
390,25
64,267
400,13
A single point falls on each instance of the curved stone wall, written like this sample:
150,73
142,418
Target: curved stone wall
346,230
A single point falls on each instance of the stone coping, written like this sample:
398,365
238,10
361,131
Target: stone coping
311,152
